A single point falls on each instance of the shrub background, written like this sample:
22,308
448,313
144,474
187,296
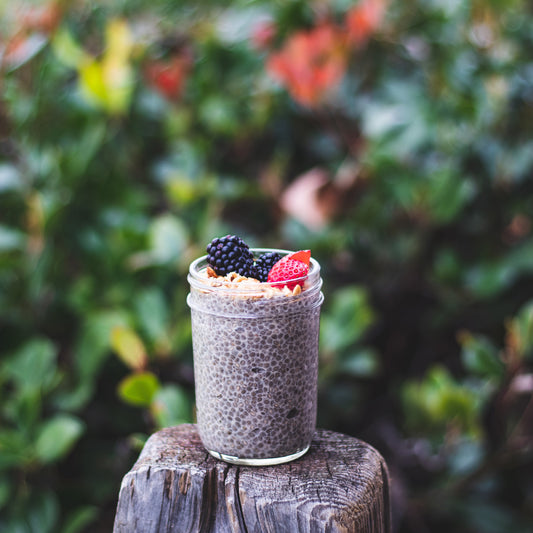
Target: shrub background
394,140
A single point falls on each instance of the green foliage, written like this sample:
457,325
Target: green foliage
480,357
453,415
170,406
132,133
439,406
56,437
349,317
139,389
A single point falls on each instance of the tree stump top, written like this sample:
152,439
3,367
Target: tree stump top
340,485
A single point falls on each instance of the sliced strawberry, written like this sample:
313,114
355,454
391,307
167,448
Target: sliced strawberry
287,269
303,255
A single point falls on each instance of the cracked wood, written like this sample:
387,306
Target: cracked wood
339,486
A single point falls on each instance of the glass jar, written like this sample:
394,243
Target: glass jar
255,348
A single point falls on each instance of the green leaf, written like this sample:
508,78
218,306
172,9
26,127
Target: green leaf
33,366
152,312
83,149
219,114
349,317
78,520
400,120
438,404
168,238
139,389
182,190
128,347
24,408
447,267
91,350
448,193
490,278
14,449
95,341
43,512
480,356
67,50
57,436
171,406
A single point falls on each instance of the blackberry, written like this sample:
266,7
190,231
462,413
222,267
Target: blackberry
230,254
263,265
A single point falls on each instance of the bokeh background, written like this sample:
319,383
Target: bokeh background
393,139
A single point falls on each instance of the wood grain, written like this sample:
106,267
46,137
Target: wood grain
340,485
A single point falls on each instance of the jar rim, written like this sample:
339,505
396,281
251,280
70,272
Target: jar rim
198,280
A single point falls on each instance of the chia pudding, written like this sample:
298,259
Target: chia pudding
255,347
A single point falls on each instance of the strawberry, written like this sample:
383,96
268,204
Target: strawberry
287,269
303,255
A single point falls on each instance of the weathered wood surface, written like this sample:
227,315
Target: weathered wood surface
340,485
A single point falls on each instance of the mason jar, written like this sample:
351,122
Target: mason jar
255,349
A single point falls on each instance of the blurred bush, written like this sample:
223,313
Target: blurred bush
393,139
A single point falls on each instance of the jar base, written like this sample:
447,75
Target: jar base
268,461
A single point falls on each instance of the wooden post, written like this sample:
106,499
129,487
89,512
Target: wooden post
340,485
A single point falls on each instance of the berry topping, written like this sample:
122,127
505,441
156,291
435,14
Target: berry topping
230,254
287,269
263,265
303,255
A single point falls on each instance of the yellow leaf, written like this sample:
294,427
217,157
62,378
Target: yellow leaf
118,79
108,83
92,83
129,347
119,40
117,71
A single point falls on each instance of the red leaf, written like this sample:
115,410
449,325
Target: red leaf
310,63
169,77
363,20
